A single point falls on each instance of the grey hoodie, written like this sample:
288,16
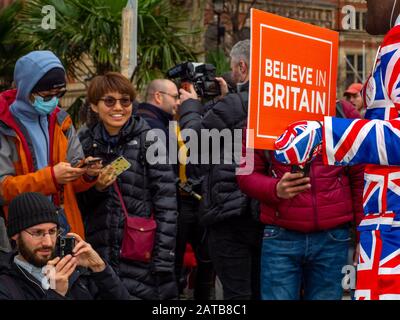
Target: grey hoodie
29,69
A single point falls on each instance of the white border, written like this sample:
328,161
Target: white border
259,80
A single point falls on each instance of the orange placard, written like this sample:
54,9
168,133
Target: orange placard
293,72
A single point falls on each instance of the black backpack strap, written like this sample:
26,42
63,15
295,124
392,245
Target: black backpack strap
12,287
144,145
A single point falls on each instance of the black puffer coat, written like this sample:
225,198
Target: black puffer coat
222,198
104,219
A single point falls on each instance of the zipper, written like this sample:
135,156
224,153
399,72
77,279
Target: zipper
45,138
313,197
26,276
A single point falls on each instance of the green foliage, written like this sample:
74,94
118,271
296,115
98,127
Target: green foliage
11,46
83,27
93,28
218,58
160,39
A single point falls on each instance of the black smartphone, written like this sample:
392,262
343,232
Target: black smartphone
84,162
305,170
93,161
65,245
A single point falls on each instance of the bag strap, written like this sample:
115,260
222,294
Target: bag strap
120,199
142,158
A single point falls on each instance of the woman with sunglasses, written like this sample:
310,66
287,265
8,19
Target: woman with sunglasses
118,133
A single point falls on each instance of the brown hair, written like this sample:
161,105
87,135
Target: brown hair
109,82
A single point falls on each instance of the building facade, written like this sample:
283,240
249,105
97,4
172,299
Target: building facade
357,49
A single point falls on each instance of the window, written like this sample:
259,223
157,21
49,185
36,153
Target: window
354,68
360,21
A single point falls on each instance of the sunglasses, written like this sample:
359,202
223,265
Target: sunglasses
46,98
111,101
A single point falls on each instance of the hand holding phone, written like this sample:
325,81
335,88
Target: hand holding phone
291,184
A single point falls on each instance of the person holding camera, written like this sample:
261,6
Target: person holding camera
38,142
36,272
234,238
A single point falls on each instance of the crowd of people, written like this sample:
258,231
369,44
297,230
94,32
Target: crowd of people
274,234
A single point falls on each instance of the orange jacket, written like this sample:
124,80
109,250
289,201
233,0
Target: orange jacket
17,172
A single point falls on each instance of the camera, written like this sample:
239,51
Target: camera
65,245
201,75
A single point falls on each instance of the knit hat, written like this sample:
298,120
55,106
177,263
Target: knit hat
30,209
53,79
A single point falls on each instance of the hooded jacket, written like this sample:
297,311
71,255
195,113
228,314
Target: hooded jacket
30,145
28,71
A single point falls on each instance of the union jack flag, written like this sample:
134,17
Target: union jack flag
300,143
349,141
381,91
378,270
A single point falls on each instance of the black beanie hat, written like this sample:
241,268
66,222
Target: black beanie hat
30,209
53,79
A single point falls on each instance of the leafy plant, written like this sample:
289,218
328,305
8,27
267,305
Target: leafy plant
218,58
92,29
11,45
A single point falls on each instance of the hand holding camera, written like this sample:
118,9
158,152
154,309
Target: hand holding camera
86,256
59,270
188,94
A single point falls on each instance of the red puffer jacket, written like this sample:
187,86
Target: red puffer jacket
334,198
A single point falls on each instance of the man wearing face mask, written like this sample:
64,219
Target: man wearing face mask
38,143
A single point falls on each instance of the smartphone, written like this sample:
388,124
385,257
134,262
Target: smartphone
93,161
65,245
305,170
120,165
84,162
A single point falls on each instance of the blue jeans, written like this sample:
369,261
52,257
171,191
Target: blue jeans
291,261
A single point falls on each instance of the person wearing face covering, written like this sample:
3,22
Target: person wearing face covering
38,143
373,141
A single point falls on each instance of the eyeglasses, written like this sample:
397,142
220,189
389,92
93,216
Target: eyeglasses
111,101
46,98
175,96
53,233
